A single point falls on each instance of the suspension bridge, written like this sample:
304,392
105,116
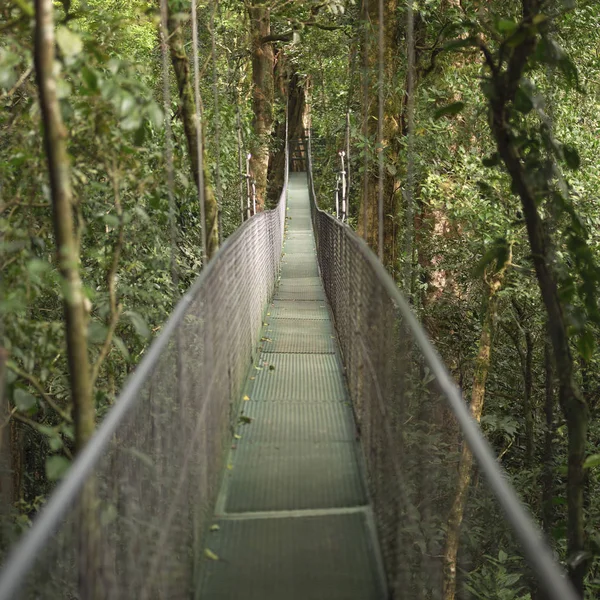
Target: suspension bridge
290,434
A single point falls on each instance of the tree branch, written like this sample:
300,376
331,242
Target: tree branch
34,382
289,35
111,280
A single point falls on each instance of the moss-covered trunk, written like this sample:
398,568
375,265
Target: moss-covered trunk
296,102
67,251
181,66
263,95
368,222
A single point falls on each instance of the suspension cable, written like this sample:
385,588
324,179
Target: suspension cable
365,83
351,72
410,166
164,34
218,190
199,148
380,133
240,143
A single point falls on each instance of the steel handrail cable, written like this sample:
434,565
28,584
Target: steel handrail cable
550,574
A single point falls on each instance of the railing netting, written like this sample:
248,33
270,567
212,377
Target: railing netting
413,425
130,520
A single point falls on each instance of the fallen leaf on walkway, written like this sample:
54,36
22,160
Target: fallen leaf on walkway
210,554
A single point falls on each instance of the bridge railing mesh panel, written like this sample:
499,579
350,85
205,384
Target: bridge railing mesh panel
130,520
413,424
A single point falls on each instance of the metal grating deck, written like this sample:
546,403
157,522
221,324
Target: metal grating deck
293,515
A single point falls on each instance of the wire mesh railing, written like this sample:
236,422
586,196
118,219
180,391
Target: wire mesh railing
445,530
129,519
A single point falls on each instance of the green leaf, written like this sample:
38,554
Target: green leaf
586,344
55,442
449,110
96,332
24,401
121,347
69,42
131,122
139,324
592,461
8,62
56,467
569,70
37,267
89,78
111,220
506,26
155,114
210,554
571,157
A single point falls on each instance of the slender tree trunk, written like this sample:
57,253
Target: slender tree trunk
548,472
16,459
482,367
529,408
263,95
526,359
75,302
6,481
392,111
181,66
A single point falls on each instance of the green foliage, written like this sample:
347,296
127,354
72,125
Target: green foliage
497,579
110,88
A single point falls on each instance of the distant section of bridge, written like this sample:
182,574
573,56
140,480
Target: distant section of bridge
293,514
291,434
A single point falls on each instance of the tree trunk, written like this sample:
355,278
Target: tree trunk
529,408
75,302
482,367
393,108
297,106
181,66
6,477
548,473
526,359
263,95
571,401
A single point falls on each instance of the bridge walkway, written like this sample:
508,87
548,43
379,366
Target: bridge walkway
293,519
